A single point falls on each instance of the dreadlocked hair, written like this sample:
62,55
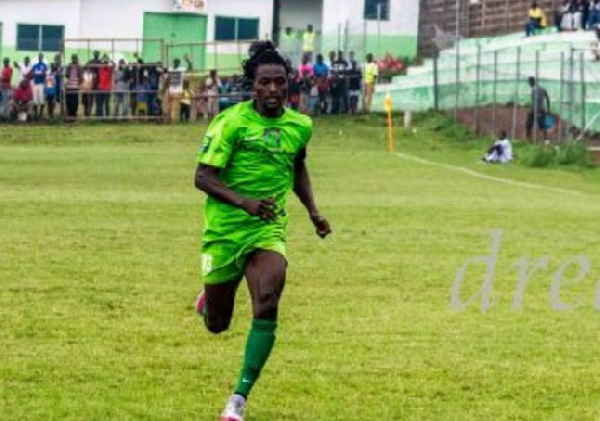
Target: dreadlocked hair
263,52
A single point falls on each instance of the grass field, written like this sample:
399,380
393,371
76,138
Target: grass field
99,265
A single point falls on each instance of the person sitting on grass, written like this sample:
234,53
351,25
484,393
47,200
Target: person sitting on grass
500,152
22,100
535,21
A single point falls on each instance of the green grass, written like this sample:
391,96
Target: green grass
99,264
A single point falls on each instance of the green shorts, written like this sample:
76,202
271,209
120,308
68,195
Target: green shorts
225,260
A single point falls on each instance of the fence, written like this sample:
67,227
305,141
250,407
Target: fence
484,83
491,91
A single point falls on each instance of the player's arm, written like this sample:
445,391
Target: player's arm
303,189
207,180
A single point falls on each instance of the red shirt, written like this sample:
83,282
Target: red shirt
105,78
23,95
6,77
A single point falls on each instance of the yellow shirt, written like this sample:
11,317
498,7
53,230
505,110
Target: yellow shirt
308,42
371,72
186,97
539,15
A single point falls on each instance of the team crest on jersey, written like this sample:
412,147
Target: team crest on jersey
206,144
272,138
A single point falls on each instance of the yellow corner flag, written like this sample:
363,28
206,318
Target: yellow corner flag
388,110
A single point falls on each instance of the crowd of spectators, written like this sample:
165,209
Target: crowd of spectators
571,15
334,86
105,89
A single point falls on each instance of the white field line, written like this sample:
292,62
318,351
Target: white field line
482,176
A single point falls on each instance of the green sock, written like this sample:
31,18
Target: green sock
258,348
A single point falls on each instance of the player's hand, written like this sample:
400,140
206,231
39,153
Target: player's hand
323,229
264,208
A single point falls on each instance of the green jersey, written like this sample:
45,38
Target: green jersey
256,156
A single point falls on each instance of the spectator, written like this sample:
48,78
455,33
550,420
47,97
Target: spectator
105,87
331,61
74,79
371,72
88,82
185,106
176,75
141,89
6,91
94,65
51,91
500,152
294,90
582,9
24,69
213,85
59,76
308,42
567,19
39,71
313,99
22,100
155,72
354,85
321,72
288,44
594,15
305,73
122,75
535,21
540,106
339,85
200,102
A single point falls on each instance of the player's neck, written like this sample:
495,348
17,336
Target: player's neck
267,112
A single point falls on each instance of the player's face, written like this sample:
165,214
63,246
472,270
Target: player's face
271,85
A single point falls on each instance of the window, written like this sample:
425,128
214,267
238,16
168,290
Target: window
375,9
235,29
39,37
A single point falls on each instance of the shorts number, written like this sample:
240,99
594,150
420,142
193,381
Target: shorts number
206,264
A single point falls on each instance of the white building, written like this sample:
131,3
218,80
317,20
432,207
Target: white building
29,26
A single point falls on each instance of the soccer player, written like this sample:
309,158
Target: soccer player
253,155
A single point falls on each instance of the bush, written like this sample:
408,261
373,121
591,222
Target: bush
574,153
537,156
542,156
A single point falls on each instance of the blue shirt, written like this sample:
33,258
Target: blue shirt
39,71
320,69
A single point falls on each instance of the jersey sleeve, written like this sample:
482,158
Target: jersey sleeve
307,132
218,144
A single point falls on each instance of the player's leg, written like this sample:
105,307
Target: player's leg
265,273
217,308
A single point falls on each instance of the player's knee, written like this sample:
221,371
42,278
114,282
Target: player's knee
217,325
267,306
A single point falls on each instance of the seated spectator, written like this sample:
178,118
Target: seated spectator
500,152
389,63
22,100
594,15
535,21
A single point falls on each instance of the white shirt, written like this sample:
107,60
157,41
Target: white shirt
507,152
24,70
